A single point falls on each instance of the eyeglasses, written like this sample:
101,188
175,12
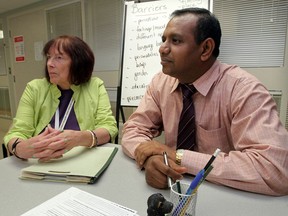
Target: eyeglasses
57,58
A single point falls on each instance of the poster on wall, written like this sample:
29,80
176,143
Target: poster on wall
19,48
38,47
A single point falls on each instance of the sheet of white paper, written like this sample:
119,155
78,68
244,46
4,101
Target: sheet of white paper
38,48
75,202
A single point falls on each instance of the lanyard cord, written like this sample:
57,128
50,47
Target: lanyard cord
64,120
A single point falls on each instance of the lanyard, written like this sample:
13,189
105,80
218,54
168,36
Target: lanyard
64,120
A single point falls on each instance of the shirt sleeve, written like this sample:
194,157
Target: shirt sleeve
22,126
144,124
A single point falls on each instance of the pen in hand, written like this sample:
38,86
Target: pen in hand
167,164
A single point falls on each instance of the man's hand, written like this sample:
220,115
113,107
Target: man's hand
156,171
150,148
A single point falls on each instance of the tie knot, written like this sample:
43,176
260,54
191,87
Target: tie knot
187,90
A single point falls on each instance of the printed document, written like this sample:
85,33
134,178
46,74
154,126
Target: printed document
75,202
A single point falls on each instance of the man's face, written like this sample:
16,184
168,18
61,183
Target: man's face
180,55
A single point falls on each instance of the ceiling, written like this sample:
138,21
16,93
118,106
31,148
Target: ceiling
7,5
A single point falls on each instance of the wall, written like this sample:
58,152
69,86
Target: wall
31,21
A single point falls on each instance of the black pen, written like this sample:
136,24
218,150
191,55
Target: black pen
212,159
166,162
178,187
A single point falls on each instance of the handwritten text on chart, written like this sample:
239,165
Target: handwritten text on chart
145,24
147,11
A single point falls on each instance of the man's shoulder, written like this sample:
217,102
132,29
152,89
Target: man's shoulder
236,72
238,80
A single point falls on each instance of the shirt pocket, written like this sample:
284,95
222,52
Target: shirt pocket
209,140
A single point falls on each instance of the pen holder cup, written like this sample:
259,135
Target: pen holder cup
183,205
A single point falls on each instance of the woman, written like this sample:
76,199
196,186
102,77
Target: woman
66,109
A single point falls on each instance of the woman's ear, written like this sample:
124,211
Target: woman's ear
208,46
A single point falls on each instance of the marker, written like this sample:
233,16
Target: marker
167,164
217,151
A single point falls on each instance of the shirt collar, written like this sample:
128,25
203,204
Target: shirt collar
175,85
204,83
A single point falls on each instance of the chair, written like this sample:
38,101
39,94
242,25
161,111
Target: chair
4,150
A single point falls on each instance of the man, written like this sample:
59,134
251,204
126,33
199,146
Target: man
233,112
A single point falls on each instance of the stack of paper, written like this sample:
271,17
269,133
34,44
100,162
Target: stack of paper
74,201
80,164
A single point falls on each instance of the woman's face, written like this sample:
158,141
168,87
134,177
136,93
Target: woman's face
58,65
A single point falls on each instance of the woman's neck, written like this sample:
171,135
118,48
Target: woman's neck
64,87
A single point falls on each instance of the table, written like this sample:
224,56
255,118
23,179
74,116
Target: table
125,184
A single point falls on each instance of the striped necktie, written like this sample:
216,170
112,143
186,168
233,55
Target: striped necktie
186,130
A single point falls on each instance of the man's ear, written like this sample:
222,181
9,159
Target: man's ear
208,46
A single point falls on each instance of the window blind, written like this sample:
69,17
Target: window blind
106,31
65,19
253,32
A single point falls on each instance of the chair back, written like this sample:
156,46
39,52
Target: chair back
4,150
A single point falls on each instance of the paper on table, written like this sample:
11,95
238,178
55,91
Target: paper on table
74,201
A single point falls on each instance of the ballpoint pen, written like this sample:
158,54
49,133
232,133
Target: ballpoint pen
199,178
195,182
193,187
183,203
167,164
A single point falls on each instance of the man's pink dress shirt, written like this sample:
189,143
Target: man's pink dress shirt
234,112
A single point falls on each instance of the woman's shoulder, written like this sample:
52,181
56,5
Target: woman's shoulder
39,83
38,88
95,80
93,83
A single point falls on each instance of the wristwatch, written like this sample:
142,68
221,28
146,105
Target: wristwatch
179,156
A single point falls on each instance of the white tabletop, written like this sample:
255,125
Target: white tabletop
123,183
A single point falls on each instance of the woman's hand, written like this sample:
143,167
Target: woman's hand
25,148
53,143
55,146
